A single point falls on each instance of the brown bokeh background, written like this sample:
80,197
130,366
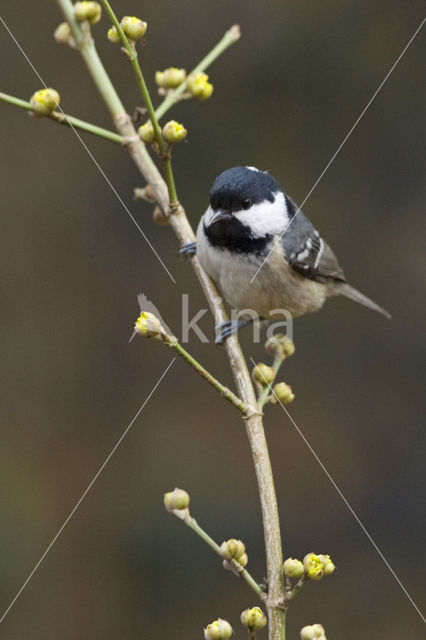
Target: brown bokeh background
72,264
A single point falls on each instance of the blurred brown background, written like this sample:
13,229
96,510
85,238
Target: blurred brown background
72,264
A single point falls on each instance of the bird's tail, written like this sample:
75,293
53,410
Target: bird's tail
346,290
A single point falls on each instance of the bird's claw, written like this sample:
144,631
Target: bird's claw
188,250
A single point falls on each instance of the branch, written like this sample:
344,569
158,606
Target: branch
185,234
70,121
133,58
231,36
185,516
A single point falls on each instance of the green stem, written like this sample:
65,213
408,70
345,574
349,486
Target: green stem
224,391
231,36
245,575
296,589
266,393
62,118
133,58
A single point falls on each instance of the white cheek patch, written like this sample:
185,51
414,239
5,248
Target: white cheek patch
208,216
266,217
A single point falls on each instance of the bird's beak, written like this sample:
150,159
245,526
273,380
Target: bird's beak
220,215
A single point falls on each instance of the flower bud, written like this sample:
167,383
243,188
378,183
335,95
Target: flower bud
134,28
146,132
293,568
159,217
232,549
148,325
174,132
263,374
242,559
113,36
199,86
313,566
327,565
62,34
319,631
90,11
218,630
170,78
254,618
176,499
280,345
308,633
282,393
45,101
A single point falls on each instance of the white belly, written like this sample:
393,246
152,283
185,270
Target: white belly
276,285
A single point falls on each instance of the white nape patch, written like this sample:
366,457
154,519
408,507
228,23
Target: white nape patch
253,169
320,250
266,217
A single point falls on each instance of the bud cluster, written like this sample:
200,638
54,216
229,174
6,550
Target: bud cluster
282,393
45,101
263,374
149,326
233,550
280,345
218,630
199,86
170,78
313,632
254,618
134,29
88,12
313,566
62,34
176,500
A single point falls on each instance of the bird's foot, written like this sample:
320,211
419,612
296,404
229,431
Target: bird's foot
188,250
226,329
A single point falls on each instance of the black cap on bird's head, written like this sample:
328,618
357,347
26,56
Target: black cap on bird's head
239,188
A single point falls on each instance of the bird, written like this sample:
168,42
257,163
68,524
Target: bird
263,253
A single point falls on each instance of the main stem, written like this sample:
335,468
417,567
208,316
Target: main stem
185,234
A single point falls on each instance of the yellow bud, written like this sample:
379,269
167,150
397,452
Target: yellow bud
174,132
199,86
327,565
176,499
280,345
254,618
232,548
134,28
62,34
293,568
282,393
242,559
319,631
313,566
263,374
218,630
307,633
170,78
148,325
90,11
113,36
45,101
146,132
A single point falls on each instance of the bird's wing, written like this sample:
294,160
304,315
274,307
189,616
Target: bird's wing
307,253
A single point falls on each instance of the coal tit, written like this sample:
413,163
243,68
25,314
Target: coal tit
262,251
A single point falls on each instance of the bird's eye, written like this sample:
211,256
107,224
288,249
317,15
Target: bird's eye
246,203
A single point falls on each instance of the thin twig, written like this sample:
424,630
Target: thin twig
67,120
186,517
230,37
267,390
